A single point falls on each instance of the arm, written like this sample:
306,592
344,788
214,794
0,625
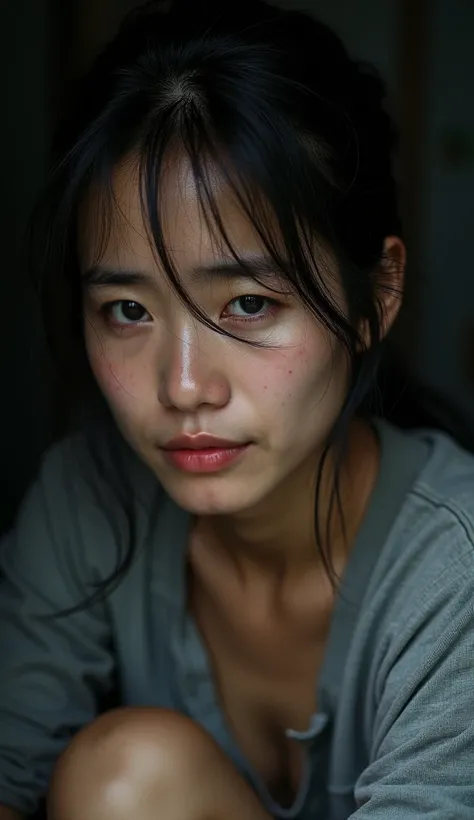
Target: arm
53,669
422,755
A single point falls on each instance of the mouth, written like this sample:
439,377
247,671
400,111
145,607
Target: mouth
200,441
203,453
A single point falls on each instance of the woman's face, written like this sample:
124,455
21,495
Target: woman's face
165,375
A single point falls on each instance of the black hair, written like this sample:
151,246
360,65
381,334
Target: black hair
272,98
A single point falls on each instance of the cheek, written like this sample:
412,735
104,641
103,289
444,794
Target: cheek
293,384
117,375
293,372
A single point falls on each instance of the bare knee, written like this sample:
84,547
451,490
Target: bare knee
127,756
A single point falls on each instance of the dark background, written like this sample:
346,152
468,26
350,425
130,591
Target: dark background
425,51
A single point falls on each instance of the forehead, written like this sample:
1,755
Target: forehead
114,226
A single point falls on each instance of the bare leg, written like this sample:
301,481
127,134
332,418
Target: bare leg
148,764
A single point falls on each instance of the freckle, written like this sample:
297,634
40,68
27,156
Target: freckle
290,372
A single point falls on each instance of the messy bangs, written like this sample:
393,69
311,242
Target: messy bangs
287,210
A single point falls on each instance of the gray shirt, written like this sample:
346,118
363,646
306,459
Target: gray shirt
394,737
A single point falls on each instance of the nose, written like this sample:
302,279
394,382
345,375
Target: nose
190,375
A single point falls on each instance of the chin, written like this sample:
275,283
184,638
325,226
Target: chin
217,496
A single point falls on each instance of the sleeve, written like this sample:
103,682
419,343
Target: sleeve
422,755
53,669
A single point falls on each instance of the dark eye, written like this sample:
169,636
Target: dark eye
126,312
249,305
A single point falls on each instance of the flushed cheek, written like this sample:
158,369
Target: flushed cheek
301,390
121,379
284,374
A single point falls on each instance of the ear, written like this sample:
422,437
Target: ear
389,284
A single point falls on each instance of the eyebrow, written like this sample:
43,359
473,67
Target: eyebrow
103,276
262,266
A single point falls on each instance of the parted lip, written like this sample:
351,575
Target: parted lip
200,441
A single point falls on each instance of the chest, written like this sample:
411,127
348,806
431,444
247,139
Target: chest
265,672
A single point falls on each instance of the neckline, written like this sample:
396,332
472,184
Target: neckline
401,459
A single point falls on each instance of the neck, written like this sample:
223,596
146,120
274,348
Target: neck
278,537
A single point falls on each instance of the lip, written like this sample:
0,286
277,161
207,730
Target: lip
201,441
203,453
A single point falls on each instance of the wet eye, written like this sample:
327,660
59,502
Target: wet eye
126,312
248,306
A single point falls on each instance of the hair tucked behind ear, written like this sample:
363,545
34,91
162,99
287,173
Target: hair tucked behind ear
272,99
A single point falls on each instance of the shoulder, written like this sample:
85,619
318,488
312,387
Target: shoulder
437,511
445,486
424,576
413,639
91,496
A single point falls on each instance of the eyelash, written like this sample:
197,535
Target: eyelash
107,312
272,308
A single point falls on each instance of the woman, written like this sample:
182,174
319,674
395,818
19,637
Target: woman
274,590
